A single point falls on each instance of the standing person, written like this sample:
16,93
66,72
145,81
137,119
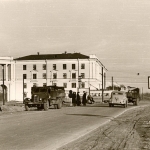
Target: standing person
70,97
74,98
84,98
78,99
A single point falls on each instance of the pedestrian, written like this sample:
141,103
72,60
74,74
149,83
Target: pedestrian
78,99
84,99
74,98
70,97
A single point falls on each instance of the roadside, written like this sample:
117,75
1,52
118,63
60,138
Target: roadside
10,107
129,131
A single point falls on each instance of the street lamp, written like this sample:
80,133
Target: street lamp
142,87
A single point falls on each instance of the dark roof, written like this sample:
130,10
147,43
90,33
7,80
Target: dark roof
54,56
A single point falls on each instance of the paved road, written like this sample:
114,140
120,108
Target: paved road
36,130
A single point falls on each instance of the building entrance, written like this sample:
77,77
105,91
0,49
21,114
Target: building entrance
5,93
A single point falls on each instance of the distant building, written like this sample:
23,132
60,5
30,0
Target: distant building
74,71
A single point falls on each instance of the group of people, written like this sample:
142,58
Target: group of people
77,101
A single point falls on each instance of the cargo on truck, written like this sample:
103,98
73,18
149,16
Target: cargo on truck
44,97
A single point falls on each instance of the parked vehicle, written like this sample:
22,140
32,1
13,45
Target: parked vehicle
44,97
133,95
118,98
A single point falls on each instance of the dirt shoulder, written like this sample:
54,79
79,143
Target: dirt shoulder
130,131
11,107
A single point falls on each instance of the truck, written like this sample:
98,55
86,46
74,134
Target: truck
44,97
133,95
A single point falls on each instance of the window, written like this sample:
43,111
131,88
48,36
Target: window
25,94
44,75
64,66
25,85
73,75
55,84
34,67
73,66
65,85
44,84
24,76
65,75
82,75
24,67
54,66
44,66
34,84
54,75
82,66
73,85
82,85
34,76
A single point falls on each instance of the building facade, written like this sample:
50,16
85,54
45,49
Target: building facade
74,71
7,78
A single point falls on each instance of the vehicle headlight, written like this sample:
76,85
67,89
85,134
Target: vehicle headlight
40,99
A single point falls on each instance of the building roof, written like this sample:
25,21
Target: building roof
54,56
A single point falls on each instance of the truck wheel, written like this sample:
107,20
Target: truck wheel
55,106
59,105
137,102
46,105
109,105
26,107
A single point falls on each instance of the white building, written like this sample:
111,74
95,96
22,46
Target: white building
7,77
54,69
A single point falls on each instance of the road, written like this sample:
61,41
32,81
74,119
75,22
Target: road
48,130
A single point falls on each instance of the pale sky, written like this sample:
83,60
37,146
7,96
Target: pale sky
116,31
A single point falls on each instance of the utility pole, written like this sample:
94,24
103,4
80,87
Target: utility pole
112,84
104,81
102,86
142,93
23,87
79,78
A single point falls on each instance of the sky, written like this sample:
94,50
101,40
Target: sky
116,31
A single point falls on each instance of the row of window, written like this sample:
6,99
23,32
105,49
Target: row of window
54,66
54,76
73,85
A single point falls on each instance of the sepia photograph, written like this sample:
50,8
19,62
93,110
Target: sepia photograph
74,74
